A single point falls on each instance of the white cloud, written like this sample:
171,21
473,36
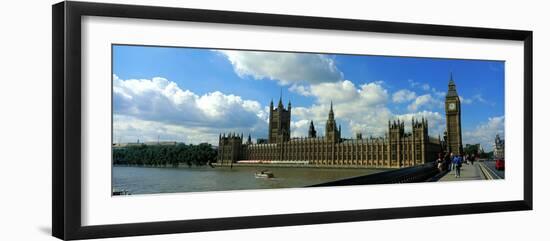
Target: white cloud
403,95
149,103
465,100
485,132
475,98
426,87
286,68
299,128
357,108
436,121
413,83
439,94
425,101
145,109
338,91
300,89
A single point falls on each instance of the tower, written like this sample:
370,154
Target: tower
312,133
396,134
420,138
279,123
453,112
331,131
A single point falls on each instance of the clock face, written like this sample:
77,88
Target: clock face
452,106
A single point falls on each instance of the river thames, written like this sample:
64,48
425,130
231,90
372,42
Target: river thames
150,180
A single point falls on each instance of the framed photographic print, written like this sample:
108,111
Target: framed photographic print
169,120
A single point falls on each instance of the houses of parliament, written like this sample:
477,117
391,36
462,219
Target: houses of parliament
394,150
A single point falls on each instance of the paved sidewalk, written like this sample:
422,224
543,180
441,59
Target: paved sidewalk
467,172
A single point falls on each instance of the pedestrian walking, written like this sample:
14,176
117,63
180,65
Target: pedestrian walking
451,162
447,160
457,163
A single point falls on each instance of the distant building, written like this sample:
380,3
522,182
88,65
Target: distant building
396,149
473,149
261,141
498,148
151,143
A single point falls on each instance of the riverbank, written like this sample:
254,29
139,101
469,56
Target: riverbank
266,165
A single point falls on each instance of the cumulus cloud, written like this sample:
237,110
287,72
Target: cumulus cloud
425,101
339,91
148,103
360,108
286,68
148,108
403,95
485,132
300,89
299,128
436,121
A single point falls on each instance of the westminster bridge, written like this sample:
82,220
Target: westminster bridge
479,170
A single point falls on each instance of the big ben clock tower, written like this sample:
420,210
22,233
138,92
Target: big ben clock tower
452,112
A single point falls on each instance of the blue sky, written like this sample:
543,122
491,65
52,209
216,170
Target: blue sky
191,95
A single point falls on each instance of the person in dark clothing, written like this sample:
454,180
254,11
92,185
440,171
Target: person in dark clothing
448,161
472,158
440,162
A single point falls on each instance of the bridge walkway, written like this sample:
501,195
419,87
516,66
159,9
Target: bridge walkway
476,171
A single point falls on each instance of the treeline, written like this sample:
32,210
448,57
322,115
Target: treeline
159,155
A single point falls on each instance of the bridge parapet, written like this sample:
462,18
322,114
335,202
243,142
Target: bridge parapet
418,173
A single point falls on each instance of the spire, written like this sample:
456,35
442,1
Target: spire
331,112
452,87
281,98
312,133
249,141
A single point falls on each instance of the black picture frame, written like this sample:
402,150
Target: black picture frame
66,127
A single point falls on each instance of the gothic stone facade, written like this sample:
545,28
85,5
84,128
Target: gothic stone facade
498,148
395,150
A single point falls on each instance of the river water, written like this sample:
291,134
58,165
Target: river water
149,180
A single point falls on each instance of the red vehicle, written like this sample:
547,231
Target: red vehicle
499,164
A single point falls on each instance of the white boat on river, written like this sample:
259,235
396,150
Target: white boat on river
264,174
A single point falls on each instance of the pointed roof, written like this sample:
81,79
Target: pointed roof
281,98
331,112
452,87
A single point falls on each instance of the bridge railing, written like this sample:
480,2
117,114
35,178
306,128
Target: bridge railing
418,173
